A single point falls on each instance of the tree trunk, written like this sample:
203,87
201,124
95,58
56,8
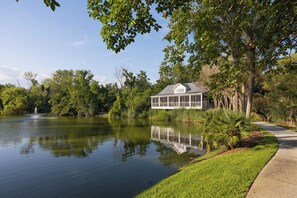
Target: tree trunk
208,148
243,98
235,65
252,64
235,101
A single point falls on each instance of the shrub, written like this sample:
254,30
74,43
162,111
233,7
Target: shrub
160,115
223,127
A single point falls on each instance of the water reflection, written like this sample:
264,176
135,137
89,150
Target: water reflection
80,139
180,143
88,157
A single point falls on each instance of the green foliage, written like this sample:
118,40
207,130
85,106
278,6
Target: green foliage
205,178
277,97
160,115
106,95
117,108
122,20
134,97
75,93
224,127
38,96
252,33
14,100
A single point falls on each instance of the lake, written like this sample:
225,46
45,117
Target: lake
67,157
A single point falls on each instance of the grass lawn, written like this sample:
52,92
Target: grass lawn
220,176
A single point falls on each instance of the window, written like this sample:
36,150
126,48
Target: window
196,100
155,102
184,101
173,101
180,89
163,101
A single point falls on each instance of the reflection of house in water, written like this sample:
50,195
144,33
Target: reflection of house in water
181,143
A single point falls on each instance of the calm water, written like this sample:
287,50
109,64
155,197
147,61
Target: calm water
89,157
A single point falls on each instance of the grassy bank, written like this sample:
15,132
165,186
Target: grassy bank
221,176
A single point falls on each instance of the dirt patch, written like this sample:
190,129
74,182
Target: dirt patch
251,141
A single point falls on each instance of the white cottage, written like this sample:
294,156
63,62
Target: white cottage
187,95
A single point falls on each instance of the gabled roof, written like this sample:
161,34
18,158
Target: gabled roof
191,88
176,85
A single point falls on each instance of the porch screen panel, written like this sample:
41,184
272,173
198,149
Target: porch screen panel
173,101
195,100
184,101
155,102
163,101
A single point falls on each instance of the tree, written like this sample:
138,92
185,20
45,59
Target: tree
38,95
73,93
60,85
81,96
14,100
205,29
278,100
129,79
31,78
119,75
106,95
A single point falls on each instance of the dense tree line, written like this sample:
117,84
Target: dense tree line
66,93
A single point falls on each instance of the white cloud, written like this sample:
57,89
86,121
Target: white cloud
14,76
79,43
9,75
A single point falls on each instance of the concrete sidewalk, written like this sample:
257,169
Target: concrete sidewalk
279,177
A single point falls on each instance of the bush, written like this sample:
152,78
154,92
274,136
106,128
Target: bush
223,127
160,115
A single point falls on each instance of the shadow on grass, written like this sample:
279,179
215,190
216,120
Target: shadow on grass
268,141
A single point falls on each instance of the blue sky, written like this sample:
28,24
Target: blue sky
33,38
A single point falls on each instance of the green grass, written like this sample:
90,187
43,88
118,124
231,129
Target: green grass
221,176
209,155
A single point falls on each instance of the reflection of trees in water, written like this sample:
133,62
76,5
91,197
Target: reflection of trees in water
133,136
169,157
79,146
70,144
131,148
128,140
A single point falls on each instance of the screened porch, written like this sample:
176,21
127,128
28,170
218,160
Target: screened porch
193,101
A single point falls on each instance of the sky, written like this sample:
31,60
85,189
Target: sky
34,38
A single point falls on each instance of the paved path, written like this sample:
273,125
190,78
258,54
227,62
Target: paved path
279,177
